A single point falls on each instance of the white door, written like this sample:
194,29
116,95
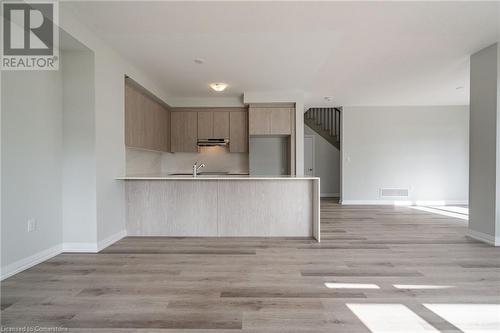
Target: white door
309,155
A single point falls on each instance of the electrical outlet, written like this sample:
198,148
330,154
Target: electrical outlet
31,225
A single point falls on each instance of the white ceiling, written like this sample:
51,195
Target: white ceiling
360,53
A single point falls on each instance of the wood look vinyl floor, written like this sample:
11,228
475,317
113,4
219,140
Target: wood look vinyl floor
147,284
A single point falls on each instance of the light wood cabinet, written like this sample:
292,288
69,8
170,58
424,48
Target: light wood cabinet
270,121
205,125
188,125
146,121
213,125
259,121
221,125
184,131
281,121
238,132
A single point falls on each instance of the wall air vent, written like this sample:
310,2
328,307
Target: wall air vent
394,192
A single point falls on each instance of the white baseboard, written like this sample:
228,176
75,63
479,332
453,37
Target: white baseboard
41,256
401,202
94,247
30,261
329,195
482,237
80,247
111,239
368,202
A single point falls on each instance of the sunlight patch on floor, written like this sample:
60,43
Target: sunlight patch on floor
470,318
390,318
453,209
334,285
420,286
450,211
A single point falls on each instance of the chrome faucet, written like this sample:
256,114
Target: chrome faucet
196,168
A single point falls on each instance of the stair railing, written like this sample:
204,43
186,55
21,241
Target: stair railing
326,119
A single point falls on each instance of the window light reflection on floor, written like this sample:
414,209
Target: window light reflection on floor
470,318
420,286
390,318
442,210
334,285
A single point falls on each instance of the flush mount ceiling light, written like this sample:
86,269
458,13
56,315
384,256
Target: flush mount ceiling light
218,86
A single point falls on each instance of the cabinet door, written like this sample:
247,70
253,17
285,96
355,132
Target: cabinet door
161,127
167,130
238,132
259,121
146,121
205,125
151,122
190,136
281,121
184,131
176,131
134,119
221,125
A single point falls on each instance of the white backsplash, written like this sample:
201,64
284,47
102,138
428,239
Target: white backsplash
216,159
143,161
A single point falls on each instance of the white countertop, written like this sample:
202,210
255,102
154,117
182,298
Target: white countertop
208,177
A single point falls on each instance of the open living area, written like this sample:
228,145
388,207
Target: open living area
250,166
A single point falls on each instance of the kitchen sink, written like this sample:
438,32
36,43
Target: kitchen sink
209,173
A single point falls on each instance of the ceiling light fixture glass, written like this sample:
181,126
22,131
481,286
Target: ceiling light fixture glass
218,86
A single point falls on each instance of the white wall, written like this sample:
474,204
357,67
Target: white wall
484,208
79,160
31,165
110,69
326,164
32,158
423,148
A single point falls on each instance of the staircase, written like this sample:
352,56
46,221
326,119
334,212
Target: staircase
325,122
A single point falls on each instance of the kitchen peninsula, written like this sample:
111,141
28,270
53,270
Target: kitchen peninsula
222,206
245,157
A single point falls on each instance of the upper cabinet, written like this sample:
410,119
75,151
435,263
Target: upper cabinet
221,125
205,125
238,132
281,121
147,122
213,125
184,131
209,123
259,121
270,120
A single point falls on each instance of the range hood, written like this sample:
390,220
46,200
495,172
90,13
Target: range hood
212,142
